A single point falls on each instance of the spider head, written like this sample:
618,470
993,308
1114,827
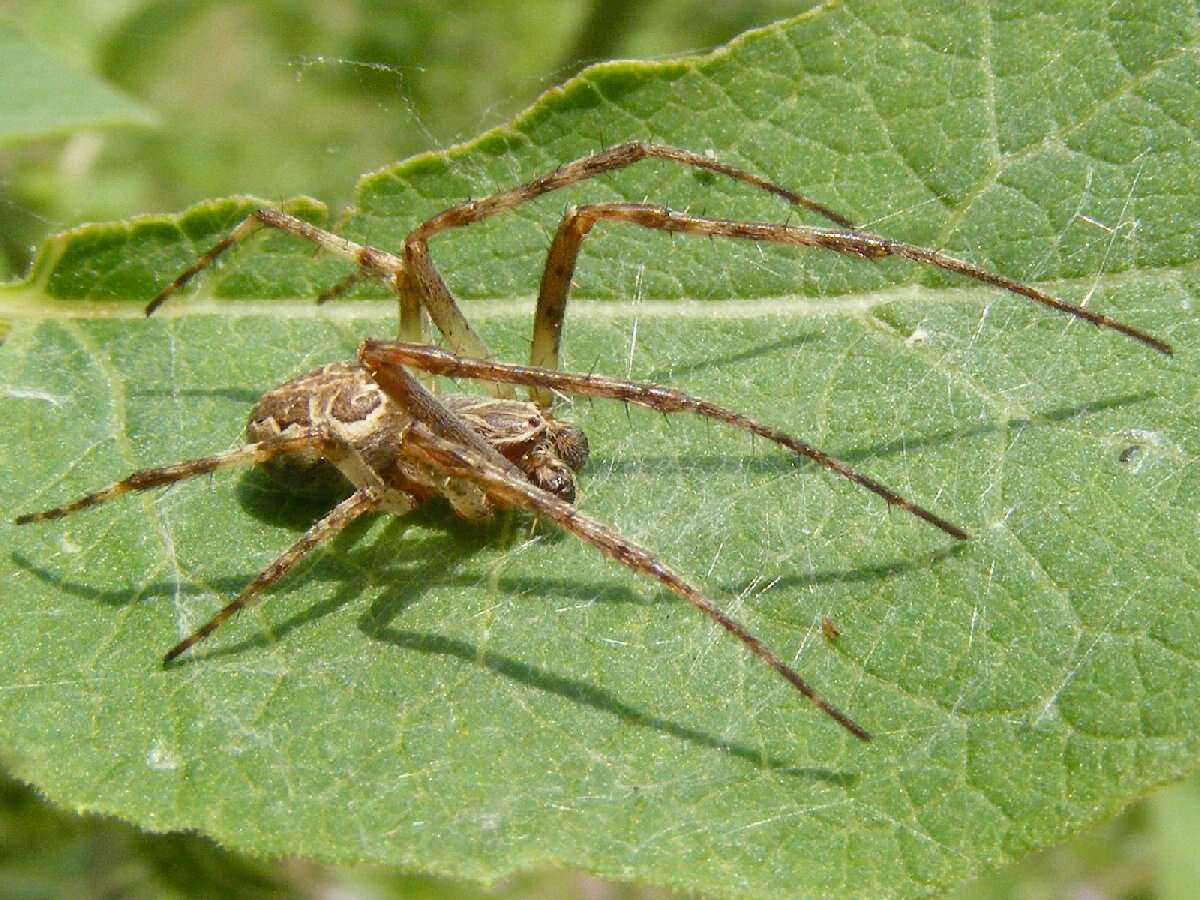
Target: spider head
553,463
546,449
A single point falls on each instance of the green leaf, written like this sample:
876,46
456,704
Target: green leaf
477,701
43,96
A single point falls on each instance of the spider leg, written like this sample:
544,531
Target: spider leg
578,221
424,281
611,159
464,463
371,262
371,494
383,356
440,303
411,396
412,316
145,479
363,500
416,280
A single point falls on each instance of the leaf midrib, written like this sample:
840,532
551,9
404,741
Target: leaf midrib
27,301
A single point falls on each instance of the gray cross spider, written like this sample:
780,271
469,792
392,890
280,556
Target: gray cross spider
398,445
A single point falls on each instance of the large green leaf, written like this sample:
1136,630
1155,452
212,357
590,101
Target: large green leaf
475,701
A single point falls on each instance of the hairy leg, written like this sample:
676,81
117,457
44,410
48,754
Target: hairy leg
372,262
384,356
439,302
361,501
145,479
462,462
578,222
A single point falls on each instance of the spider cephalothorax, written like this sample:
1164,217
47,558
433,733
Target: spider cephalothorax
397,445
547,449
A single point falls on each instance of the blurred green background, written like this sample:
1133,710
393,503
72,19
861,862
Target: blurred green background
283,98
278,99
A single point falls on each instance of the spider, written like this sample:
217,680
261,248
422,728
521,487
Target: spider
398,445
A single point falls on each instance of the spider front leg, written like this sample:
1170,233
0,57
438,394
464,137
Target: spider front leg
384,358
416,280
425,280
458,461
444,442
579,221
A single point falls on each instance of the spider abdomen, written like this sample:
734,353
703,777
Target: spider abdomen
339,397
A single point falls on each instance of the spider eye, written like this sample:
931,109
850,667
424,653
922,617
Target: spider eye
571,444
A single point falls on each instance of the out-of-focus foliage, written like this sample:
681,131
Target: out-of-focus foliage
282,98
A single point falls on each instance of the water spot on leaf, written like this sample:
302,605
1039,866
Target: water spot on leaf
161,758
